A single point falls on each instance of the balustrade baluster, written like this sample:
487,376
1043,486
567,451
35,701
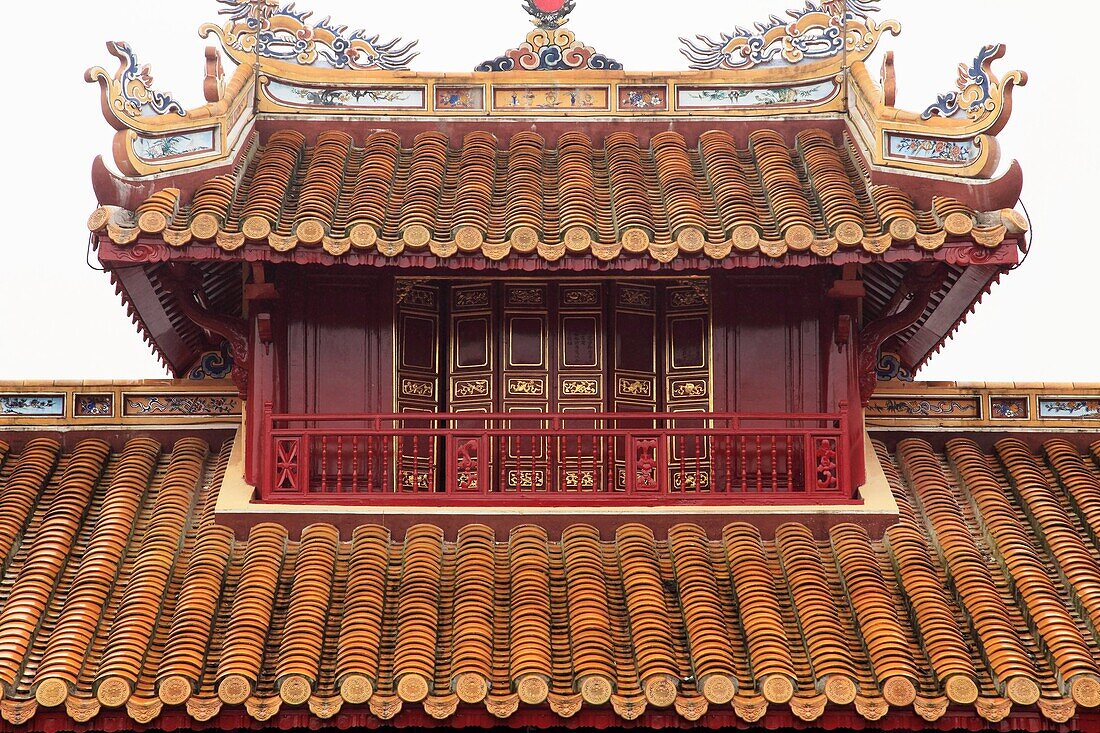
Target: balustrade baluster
324,464
775,466
609,460
355,464
386,486
698,462
503,445
578,455
370,463
759,465
744,458
340,464
790,464
431,478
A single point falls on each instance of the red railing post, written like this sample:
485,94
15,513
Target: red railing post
267,472
845,455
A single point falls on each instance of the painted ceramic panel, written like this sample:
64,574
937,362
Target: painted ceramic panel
94,405
355,98
734,97
471,98
967,408
149,405
173,147
1069,409
37,405
1009,408
951,152
643,98
551,98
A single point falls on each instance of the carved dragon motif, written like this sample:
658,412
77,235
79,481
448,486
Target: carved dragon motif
284,33
980,92
128,93
821,29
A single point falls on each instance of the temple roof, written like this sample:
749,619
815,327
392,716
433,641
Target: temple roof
778,147
120,591
711,193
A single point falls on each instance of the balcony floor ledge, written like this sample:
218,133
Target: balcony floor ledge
237,509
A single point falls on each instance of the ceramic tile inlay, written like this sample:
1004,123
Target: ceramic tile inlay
36,405
1066,409
899,407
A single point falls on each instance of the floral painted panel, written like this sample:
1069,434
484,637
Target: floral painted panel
551,98
37,405
954,152
172,147
1010,408
359,98
648,98
735,97
1069,409
460,98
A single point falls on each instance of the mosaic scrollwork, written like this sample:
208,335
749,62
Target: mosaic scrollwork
890,367
129,93
213,365
822,29
980,93
550,47
284,33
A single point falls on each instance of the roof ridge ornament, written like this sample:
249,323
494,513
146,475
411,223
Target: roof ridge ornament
128,93
550,47
821,29
284,33
980,91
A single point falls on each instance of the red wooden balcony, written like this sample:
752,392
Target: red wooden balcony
527,459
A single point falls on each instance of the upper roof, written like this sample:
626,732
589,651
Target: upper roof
119,590
692,193
776,149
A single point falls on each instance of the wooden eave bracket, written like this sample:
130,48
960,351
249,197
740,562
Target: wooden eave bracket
919,284
183,283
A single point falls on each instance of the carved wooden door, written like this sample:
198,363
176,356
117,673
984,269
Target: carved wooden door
575,349
418,389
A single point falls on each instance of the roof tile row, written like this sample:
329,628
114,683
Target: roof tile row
665,200
118,590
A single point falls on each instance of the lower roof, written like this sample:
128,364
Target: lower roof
123,600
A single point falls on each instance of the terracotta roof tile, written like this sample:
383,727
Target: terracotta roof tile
118,589
616,198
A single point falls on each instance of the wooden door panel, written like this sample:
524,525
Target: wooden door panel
472,353
578,349
687,357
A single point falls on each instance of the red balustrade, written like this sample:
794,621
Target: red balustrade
556,459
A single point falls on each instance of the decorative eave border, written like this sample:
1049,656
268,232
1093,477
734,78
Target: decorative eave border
899,405
87,405
157,144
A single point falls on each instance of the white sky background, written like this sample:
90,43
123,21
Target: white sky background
61,320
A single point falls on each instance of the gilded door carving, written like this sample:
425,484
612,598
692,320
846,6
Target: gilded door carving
578,349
